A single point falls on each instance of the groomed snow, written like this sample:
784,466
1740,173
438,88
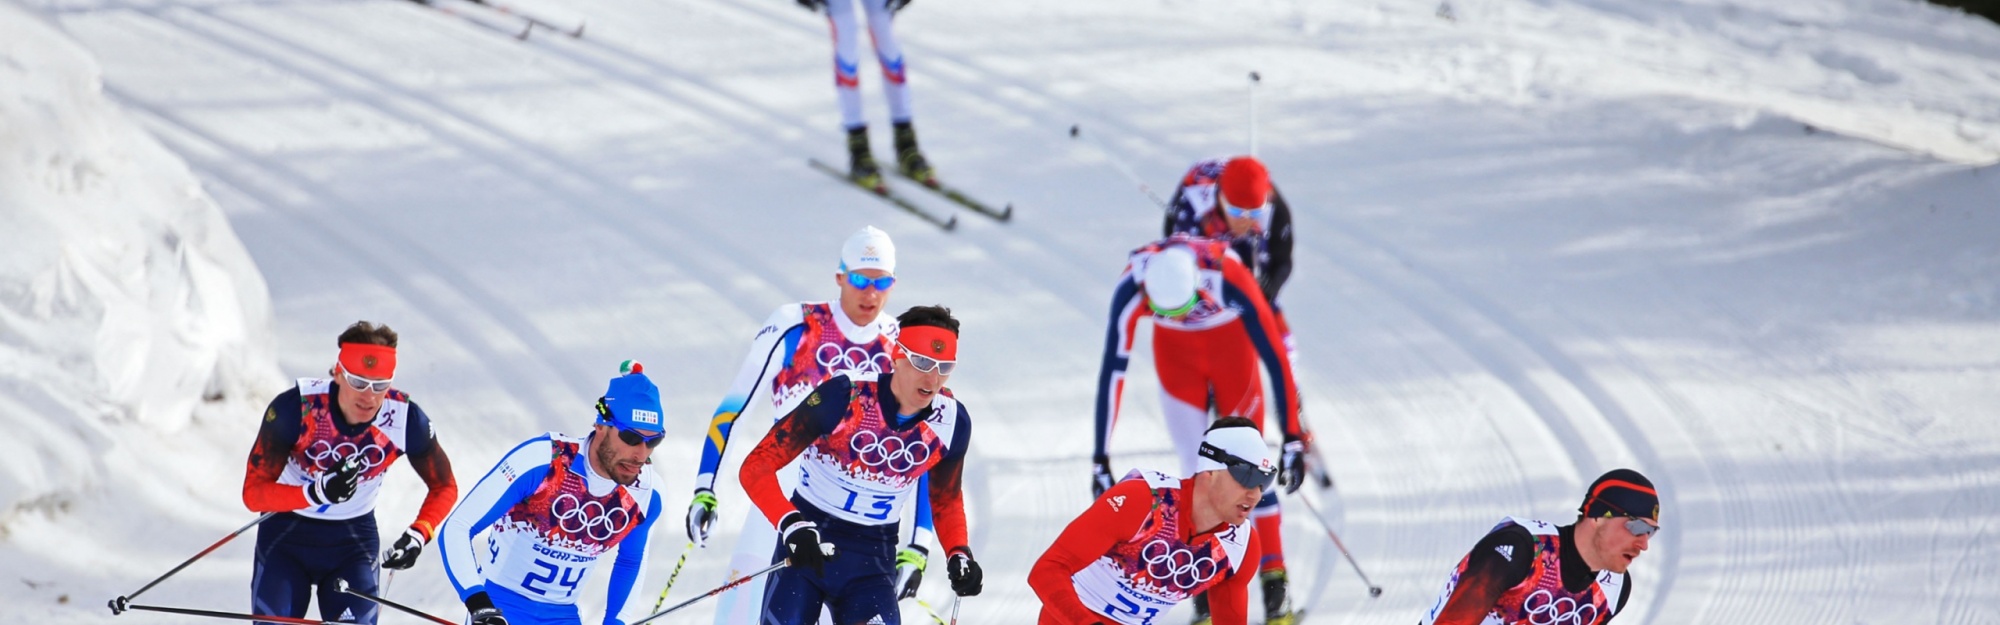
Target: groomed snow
1749,250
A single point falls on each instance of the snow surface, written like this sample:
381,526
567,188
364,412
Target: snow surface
1747,249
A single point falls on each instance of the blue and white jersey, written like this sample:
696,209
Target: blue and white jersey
548,518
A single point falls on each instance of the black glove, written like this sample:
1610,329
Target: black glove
965,577
480,611
1100,475
1292,466
701,514
910,564
811,5
404,554
802,539
337,485
896,5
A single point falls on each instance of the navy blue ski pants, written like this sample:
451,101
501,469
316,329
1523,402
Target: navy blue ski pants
295,553
859,584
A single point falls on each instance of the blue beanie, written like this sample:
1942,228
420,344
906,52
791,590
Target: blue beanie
632,402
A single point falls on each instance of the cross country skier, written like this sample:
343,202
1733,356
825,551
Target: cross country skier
864,442
800,346
1153,540
320,457
1212,326
1232,200
555,505
847,85
1526,571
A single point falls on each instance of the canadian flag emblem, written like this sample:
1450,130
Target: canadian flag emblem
1116,502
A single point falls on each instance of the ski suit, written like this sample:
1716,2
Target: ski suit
1136,553
847,59
1208,357
304,434
1266,250
1536,576
862,460
549,518
799,346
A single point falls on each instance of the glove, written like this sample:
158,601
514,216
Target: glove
910,563
811,5
965,577
802,539
1292,466
1100,475
404,554
480,611
896,5
701,514
338,485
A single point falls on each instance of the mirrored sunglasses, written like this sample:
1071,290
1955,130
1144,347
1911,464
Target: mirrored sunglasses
1242,213
928,364
635,439
366,385
1245,472
1633,523
856,280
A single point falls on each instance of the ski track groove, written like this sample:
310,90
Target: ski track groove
585,183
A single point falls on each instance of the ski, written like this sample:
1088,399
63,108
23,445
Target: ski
526,27
889,195
959,197
575,33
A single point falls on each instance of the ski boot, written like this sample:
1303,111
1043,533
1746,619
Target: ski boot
1201,615
911,161
1277,606
861,161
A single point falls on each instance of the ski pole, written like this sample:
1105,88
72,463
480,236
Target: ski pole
341,585
928,610
674,576
232,615
1373,590
718,590
1255,80
954,609
1076,132
120,604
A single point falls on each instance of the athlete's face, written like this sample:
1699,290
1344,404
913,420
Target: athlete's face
862,305
1238,226
1613,545
913,387
615,459
358,406
1229,501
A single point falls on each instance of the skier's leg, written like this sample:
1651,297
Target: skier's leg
846,61
279,585
1239,391
351,559
861,583
795,595
882,31
1182,361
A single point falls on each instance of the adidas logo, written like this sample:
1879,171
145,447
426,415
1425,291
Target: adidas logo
877,620
1506,551
1116,502
347,615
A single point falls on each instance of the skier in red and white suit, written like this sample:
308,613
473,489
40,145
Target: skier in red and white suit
1153,541
1212,327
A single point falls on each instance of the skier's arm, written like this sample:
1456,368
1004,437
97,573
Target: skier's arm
1114,517
926,521
1229,601
1500,561
1127,304
1181,216
946,492
768,353
789,437
510,481
428,459
1240,291
628,572
275,437
1279,247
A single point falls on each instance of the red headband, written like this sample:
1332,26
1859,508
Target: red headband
929,341
375,362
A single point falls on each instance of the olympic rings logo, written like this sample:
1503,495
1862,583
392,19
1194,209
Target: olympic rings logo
589,518
900,456
1553,611
854,359
1178,566
325,455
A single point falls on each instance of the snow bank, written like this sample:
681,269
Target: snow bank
128,308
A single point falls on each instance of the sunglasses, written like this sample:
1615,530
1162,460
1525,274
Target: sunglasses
635,439
1637,526
366,385
856,280
1242,213
1175,312
928,364
1245,472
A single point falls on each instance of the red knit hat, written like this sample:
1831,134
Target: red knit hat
1245,183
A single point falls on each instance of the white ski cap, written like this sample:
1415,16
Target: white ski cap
1243,442
869,248
1170,277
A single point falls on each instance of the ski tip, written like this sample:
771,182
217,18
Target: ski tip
578,33
951,223
1007,213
